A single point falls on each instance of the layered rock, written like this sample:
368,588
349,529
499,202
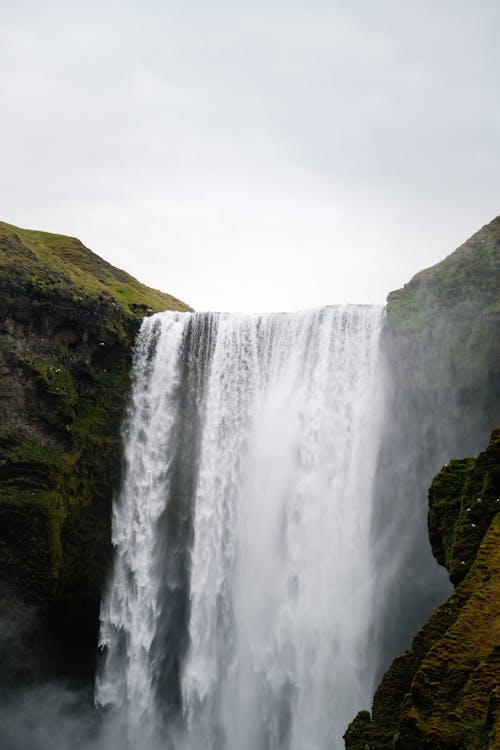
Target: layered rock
441,349
442,693
68,322
441,346
67,325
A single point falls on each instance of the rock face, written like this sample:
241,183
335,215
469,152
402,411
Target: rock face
68,321
445,321
67,325
441,348
442,693
442,353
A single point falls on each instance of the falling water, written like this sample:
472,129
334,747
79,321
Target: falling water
238,612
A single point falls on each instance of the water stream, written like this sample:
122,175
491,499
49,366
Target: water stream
239,610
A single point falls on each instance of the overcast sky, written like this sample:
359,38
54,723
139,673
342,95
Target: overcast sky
257,155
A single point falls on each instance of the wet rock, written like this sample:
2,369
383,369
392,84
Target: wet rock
62,398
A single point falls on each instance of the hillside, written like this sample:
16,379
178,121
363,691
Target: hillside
68,321
441,352
53,261
442,693
464,284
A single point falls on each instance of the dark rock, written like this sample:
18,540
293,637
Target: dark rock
67,326
441,693
441,353
441,348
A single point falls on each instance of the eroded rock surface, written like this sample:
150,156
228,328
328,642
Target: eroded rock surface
442,693
68,322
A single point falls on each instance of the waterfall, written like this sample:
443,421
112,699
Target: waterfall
238,612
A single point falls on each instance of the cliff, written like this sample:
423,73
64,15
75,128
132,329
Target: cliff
68,321
441,348
441,353
445,321
442,693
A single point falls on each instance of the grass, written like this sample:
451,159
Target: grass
438,694
465,283
52,260
69,320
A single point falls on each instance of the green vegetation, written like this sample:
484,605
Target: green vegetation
462,503
68,321
462,285
448,503
33,453
458,674
57,382
443,326
51,261
441,692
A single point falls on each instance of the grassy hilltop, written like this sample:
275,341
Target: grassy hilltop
55,261
68,321
464,284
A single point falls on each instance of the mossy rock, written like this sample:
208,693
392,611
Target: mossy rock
68,321
443,326
442,692
53,262
463,284
463,500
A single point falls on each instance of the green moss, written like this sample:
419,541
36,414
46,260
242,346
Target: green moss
38,517
56,516
462,285
52,261
442,328
440,692
462,503
33,453
445,502
58,382
76,482
451,690
68,322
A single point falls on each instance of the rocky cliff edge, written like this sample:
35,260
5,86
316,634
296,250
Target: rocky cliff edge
68,320
443,693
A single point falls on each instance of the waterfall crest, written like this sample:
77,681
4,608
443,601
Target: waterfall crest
239,608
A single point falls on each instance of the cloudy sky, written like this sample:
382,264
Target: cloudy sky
257,155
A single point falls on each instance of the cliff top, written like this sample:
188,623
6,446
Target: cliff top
57,261
464,283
